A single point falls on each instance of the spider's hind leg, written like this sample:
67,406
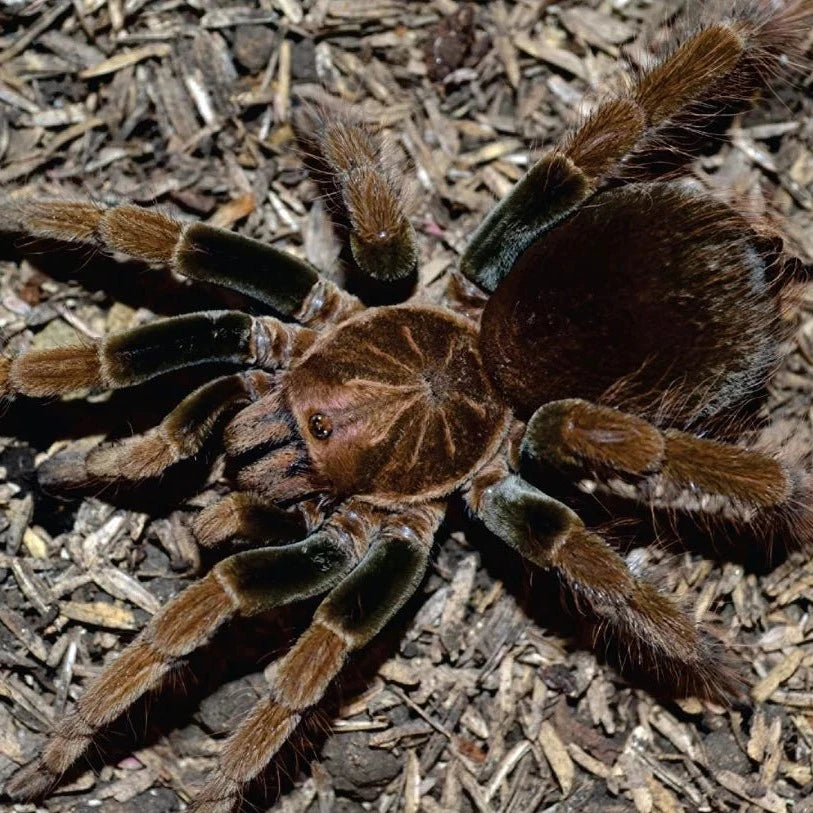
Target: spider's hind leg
652,130
674,470
653,629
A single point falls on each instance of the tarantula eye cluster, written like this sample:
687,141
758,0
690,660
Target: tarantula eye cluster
321,426
624,319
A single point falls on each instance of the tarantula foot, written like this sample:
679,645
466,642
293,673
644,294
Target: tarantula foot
220,795
717,682
65,470
33,781
707,674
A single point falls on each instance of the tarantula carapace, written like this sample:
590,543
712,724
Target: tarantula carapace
627,313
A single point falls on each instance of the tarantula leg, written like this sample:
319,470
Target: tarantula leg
283,282
245,584
665,465
134,356
553,188
356,165
665,117
685,116
241,515
651,626
180,436
350,616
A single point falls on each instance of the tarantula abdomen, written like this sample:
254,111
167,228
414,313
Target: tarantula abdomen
680,322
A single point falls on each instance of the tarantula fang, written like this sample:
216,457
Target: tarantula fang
625,316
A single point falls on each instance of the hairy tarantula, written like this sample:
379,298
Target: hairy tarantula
362,421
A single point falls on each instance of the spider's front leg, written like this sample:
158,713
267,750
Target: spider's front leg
354,164
652,628
667,466
137,355
349,617
286,284
244,584
180,436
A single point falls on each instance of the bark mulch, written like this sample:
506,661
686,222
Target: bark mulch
483,696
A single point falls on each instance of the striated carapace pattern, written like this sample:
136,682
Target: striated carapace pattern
411,408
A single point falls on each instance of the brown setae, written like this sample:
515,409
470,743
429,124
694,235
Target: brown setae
627,319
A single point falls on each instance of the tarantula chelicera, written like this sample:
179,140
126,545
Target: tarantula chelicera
624,316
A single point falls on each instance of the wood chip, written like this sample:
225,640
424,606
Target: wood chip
124,60
558,57
558,757
412,784
596,27
584,760
30,640
99,614
762,797
777,676
233,211
123,586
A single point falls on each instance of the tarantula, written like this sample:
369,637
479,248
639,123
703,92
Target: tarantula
364,420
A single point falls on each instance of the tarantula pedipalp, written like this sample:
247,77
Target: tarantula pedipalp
369,418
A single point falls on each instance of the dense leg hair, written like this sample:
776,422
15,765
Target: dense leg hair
652,629
351,160
672,469
288,285
134,356
351,615
654,128
245,584
245,516
180,436
771,35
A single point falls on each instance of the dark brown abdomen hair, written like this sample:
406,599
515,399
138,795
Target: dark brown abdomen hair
653,299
